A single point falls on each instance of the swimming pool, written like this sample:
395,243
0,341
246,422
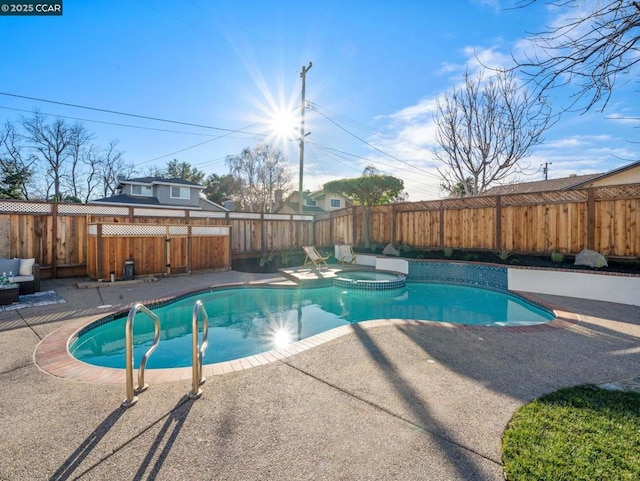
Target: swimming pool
249,320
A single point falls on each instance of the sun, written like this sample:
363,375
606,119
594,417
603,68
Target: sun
283,123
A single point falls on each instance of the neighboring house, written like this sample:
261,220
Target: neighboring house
628,174
160,192
314,203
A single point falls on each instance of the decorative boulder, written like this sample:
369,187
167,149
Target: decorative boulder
590,258
389,250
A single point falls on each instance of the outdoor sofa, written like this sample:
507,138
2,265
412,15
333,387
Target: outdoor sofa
24,272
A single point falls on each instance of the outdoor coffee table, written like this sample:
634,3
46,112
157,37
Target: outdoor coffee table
9,294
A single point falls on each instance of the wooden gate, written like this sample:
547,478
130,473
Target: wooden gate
156,249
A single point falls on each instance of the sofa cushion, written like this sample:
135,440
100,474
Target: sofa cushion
26,267
19,279
9,266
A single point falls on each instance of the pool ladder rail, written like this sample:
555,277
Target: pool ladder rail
198,350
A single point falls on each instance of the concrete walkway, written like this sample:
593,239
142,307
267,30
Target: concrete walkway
399,402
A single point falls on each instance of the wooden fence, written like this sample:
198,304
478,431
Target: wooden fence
605,219
57,235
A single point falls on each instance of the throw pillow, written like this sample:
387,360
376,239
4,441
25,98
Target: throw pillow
8,266
26,267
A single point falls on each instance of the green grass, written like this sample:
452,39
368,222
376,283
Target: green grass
580,433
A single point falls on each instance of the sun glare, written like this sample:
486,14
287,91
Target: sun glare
283,124
281,338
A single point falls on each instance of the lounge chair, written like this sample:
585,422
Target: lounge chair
314,257
345,254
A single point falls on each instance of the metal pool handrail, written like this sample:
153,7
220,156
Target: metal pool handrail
131,392
197,351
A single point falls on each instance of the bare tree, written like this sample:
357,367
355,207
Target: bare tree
484,129
17,167
111,165
77,171
54,144
590,48
273,175
104,168
261,171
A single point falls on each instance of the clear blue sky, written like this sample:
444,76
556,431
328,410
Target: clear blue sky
377,67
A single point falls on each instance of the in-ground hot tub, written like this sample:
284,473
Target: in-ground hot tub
370,280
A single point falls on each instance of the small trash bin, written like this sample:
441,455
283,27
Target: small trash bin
128,270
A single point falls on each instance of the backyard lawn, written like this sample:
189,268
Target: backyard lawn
580,433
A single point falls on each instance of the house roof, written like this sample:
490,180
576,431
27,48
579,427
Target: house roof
159,181
624,168
206,203
564,183
127,200
309,209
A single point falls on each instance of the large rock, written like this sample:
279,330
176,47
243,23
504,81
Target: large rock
389,250
590,258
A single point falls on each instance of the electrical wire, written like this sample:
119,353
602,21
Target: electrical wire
115,112
376,148
111,123
336,155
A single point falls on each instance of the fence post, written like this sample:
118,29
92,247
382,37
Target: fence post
98,252
331,227
441,224
393,224
353,225
263,234
498,239
591,218
189,247
54,241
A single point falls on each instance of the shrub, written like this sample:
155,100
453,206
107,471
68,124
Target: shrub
557,257
266,260
504,254
285,257
447,251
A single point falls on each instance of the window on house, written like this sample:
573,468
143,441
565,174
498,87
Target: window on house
180,192
335,202
310,202
144,190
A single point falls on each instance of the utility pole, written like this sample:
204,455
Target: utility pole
545,169
303,76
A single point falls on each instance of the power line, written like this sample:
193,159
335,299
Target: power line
338,154
193,146
112,123
376,148
115,112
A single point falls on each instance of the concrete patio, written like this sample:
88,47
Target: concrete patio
403,401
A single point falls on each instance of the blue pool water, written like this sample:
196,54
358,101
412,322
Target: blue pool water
246,321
